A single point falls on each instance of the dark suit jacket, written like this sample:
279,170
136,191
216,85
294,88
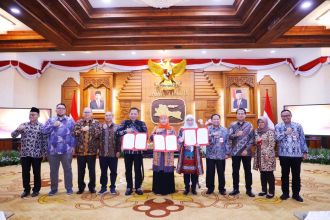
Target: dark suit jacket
93,105
243,103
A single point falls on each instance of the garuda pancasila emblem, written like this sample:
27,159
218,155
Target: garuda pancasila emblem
167,71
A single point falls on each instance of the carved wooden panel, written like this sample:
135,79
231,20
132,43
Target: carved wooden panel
267,83
245,82
69,87
96,79
132,88
204,87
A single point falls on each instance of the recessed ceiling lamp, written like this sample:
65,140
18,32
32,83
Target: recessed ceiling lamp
203,51
133,52
273,51
161,3
15,11
306,5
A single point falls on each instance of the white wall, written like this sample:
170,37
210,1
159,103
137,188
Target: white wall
16,91
315,89
7,87
50,87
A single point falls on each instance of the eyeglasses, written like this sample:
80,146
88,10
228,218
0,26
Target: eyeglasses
60,108
284,116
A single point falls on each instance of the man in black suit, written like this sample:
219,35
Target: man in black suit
97,103
239,102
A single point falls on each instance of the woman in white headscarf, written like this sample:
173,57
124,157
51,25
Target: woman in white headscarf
190,160
264,158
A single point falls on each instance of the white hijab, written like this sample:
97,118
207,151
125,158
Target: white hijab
186,124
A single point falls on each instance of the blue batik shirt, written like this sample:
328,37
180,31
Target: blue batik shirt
61,139
292,145
219,145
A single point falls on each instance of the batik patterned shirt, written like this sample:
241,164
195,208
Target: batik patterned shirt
292,145
109,144
219,145
243,142
61,139
33,141
87,141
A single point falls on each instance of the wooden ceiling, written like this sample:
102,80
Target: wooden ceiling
71,25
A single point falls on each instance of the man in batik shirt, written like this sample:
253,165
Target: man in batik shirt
33,149
61,144
108,154
241,135
87,131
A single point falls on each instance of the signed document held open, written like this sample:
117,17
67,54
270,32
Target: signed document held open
199,136
165,143
134,141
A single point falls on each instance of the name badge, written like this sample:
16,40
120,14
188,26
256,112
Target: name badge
294,138
221,140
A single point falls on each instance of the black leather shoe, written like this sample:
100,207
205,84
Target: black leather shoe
80,192
186,192
139,192
284,196
250,194
208,192
222,192
25,194
34,194
234,192
298,198
193,191
92,191
128,192
270,196
262,194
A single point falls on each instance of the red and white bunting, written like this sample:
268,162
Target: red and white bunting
133,65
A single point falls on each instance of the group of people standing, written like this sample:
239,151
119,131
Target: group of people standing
61,137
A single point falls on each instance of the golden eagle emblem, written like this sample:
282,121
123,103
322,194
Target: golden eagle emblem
167,71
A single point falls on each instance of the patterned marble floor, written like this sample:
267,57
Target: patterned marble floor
315,191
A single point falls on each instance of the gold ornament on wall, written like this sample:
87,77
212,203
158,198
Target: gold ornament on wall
167,72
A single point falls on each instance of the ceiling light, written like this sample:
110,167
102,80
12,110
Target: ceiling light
203,51
273,51
15,11
106,1
63,54
306,5
133,52
86,52
161,3
163,51
247,50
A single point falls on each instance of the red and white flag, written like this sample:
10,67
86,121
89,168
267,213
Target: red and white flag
74,111
268,113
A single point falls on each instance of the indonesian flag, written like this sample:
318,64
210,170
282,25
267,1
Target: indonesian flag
74,112
268,113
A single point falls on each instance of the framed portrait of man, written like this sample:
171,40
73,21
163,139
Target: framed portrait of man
97,99
239,98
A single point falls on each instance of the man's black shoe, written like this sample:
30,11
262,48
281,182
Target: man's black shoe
34,194
234,192
284,196
25,194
